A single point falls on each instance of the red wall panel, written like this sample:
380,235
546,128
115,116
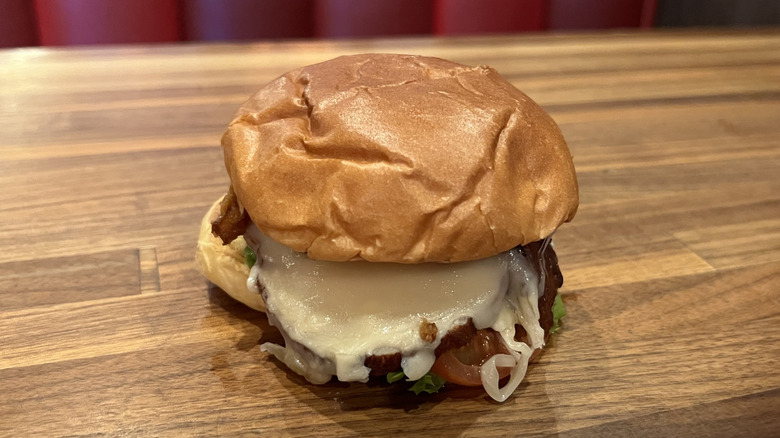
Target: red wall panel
70,22
595,14
17,24
366,18
461,17
215,20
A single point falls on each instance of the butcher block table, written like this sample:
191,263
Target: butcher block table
109,157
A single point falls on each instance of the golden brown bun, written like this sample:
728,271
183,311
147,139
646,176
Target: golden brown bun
396,158
224,265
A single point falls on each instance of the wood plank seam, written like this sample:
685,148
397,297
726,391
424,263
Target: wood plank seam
149,274
761,96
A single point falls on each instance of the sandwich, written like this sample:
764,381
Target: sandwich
392,215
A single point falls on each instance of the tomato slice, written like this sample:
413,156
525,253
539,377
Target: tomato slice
461,365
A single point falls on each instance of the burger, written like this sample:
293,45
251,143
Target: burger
392,215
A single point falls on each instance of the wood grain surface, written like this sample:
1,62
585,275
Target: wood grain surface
110,156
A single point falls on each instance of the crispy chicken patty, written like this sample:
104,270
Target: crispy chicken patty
544,261
233,221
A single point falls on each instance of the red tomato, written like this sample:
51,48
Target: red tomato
461,365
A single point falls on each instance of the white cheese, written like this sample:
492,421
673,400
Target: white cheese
335,314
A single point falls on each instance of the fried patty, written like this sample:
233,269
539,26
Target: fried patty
543,260
232,220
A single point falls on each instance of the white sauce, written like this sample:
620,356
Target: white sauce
335,314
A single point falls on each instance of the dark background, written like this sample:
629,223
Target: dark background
679,13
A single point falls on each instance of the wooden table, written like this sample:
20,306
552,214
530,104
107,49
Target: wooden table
109,157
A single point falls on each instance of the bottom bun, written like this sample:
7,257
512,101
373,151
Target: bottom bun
224,265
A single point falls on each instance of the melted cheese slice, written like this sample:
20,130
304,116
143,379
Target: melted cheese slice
335,314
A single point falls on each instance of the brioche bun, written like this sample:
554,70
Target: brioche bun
224,265
395,158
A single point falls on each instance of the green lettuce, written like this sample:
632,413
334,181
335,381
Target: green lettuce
429,383
250,258
559,311
395,376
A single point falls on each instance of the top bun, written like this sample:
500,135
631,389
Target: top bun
396,158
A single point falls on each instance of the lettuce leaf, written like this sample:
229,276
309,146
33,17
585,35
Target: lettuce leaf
395,376
250,258
429,383
559,311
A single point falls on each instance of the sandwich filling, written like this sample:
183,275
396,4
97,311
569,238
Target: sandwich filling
333,315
